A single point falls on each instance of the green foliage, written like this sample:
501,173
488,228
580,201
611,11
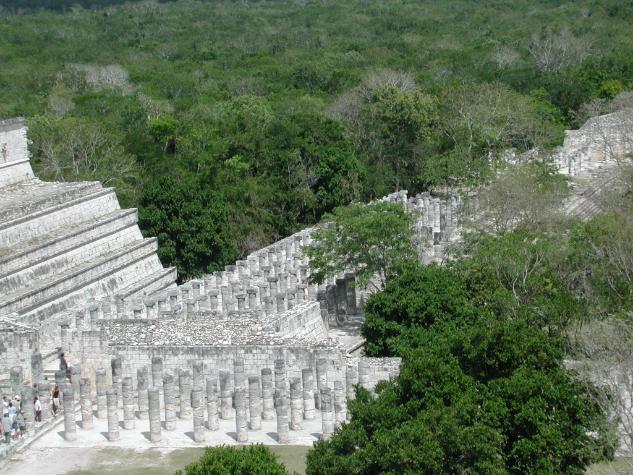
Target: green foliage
420,297
523,275
191,224
601,260
374,241
491,398
246,460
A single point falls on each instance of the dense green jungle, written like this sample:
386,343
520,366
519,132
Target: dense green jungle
230,124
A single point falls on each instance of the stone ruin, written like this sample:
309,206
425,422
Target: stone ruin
251,342
255,342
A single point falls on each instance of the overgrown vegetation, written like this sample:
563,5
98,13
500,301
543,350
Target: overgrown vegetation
284,110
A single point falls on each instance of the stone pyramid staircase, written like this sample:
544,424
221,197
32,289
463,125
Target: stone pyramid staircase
62,244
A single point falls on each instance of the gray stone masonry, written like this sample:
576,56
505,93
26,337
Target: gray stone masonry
308,394
101,383
169,391
117,379
268,391
113,415
44,395
327,413
340,405
255,403
184,382
296,404
70,426
157,372
142,385
282,408
212,404
153,399
127,391
85,396
241,418
197,408
226,395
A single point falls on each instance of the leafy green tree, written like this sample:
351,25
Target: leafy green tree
493,397
246,460
528,196
191,224
374,241
417,298
601,260
522,275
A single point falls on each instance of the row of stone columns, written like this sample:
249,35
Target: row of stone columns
254,399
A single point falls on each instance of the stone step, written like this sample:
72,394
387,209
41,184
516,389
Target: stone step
155,282
32,196
48,291
53,211
54,253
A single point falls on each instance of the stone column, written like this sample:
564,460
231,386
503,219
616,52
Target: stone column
255,403
351,380
252,298
363,373
184,382
212,404
70,427
226,398
60,378
281,405
327,414
198,374
153,402
16,377
127,393
113,415
241,422
169,391
239,379
281,302
280,375
157,372
142,385
37,366
44,395
296,404
85,398
341,298
308,394
340,405
213,299
350,287
117,378
197,408
27,394
268,406
75,376
321,371
102,408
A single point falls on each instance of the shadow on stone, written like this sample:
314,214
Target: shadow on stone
104,434
60,433
317,435
232,435
121,425
147,435
273,435
190,435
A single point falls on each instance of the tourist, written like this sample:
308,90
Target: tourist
55,396
37,405
5,405
20,422
6,428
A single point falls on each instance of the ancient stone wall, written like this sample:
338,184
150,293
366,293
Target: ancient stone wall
14,158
